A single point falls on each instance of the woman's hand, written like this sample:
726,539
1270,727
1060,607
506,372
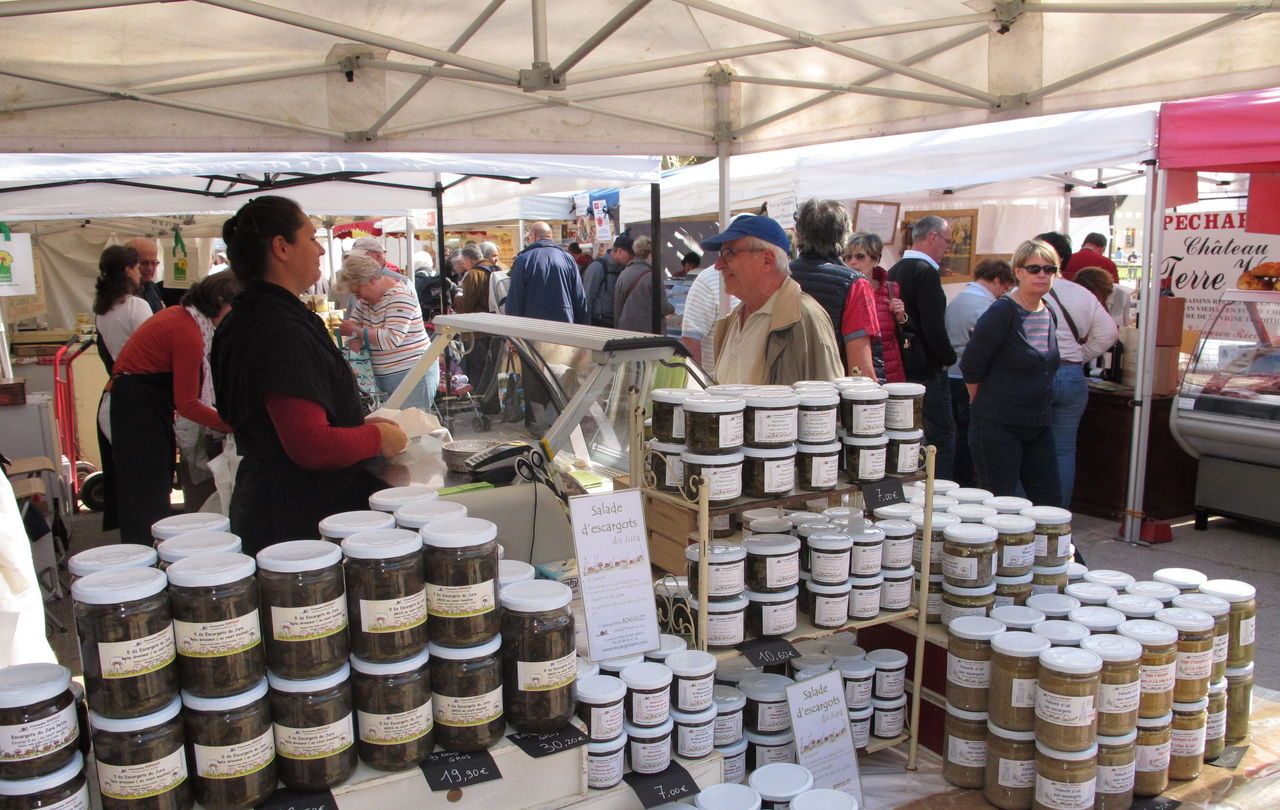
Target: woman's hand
394,439
347,328
898,309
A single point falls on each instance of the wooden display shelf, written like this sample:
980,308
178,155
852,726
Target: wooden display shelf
805,631
706,771
876,744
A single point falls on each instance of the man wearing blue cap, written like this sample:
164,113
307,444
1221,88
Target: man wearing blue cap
777,335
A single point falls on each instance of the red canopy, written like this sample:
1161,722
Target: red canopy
365,227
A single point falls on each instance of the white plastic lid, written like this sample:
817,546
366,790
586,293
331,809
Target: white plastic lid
894,511
189,545
599,689
1004,733
771,399
817,449
175,525
646,675
769,545
293,556
119,586
1047,515
819,397
1007,504
1019,644
1061,632
671,396
887,659
1015,617
861,582
1180,578
896,528
586,669
1097,618
971,495
975,628
1162,591
697,718
1049,570
727,796
39,784
324,682
536,596
25,684
866,535
1217,687
1068,756
1115,579
1112,648
125,725
513,571
855,668
767,525
1203,602
648,732
728,389
1071,660
940,502
904,389
891,703
865,441
607,746
788,595
1134,605
824,799
863,393
973,512
619,664
1148,633
1090,593
458,532
1155,722
728,699
722,460
977,717
423,512
970,534
830,541
225,704
788,451
1020,579
1011,524
345,524
668,646
392,498
111,558
666,448
733,749
780,781
941,520
1194,706
382,544
1185,620
904,435
731,604
765,687
488,648
708,403
983,590
1120,741
207,570
801,517
1053,605
1232,590
411,664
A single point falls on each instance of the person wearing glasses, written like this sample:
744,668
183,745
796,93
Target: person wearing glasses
149,263
863,255
1009,367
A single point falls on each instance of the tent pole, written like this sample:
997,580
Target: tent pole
443,269
6,365
655,258
723,141
1150,303
408,244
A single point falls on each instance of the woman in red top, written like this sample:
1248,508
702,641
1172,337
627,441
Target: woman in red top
863,254
163,368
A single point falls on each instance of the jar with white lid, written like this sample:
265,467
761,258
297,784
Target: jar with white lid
1015,666
771,418
216,624
1242,618
1067,697
727,796
726,570
314,730
957,602
860,726
539,656
817,416
663,462
828,605
142,759
1013,591
772,613
895,590
1219,610
964,747
386,598
1004,504
899,543
110,558
195,544
1134,606
865,458
648,694
424,511
891,669
933,597
461,560
722,473
773,563
734,762
1017,617
1097,619
1061,633
969,555
304,593
766,710
865,596
1010,778
38,727
125,626
726,620
824,799
903,453
1105,576
599,705
1160,591
905,408
667,644
1119,687
614,666
1186,580
1015,544
729,704
713,424
972,512
867,551
862,410
693,680
1065,780
1053,605
1116,758
232,747
767,749
729,389
1159,661
336,528
937,538
859,681
829,558
512,571
1215,727
668,413
1151,765
1048,579
392,498
66,788
394,723
693,736
606,762
818,465
1075,570
779,783
466,695
889,717
768,471
1053,534
1090,593
1195,652
1186,744
971,495
189,522
649,747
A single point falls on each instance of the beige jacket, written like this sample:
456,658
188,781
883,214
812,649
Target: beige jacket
801,344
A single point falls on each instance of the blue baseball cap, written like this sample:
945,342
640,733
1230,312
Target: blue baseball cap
750,225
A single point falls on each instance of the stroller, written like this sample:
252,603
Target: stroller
456,394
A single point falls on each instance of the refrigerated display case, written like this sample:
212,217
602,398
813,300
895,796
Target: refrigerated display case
1228,409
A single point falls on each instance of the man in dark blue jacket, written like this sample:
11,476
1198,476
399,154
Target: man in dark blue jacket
545,282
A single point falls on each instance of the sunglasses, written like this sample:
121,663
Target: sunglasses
1037,269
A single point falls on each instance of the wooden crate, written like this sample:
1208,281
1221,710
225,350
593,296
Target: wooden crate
13,391
669,528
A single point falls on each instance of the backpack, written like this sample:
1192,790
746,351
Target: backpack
603,300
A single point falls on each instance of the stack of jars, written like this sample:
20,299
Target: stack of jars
41,759
881,428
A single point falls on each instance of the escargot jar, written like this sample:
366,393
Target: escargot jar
539,656
461,557
216,626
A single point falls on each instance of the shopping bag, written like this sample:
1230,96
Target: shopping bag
371,396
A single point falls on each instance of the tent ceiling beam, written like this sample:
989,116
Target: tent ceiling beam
1210,7
24,8
592,42
932,98
429,71
813,40
539,30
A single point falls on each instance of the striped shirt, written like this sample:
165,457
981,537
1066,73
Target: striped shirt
1037,326
396,336
701,311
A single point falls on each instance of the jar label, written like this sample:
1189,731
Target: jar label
824,472
782,571
857,693
1002,600
1018,556
1016,773
1119,698
829,567
1220,644
959,567
650,708
1040,587
650,757
899,414
695,741
817,426
1194,665
895,594
472,710
776,620
966,753
887,723
935,553
1187,742
868,419
735,769
460,601
1115,778
139,656
779,475
1023,694
80,801
864,603
398,728
674,476
144,781
1156,679
772,717
775,426
217,639
890,683
726,579
908,459
606,721
769,754
871,463
38,737
236,760
830,611
1061,545
968,674
543,676
695,694
898,551
1215,727
1064,710
309,622
933,605
724,483
1247,630
393,615
722,523
728,728
604,770
730,430
1153,757
865,560
950,611
677,422
317,742
724,629
861,732
1065,795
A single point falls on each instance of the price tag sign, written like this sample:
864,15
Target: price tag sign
1231,757
882,493
1155,803
768,652
672,785
448,770
541,745
285,799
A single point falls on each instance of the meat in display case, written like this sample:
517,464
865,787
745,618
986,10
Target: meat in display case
1228,409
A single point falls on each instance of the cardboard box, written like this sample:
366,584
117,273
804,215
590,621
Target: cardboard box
1169,324
669,528
1167,371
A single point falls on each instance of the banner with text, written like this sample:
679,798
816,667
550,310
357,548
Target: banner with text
1206,254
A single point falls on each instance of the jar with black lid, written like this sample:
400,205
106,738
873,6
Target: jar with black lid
232,749
466,700
539,655
303,591
38,725
768,471
64,789
713,424
904,451
818,417
771,418
462,577
773,562
126,641
386,596
726,570
141,761
216,625
722,473
315,730
394,726
193,545
663,460
668,414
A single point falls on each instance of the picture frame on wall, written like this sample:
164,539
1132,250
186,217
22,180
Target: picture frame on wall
960,261
878,217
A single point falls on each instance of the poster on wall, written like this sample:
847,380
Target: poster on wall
17,267
1206,254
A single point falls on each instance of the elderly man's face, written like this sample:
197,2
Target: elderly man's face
743,268
148,259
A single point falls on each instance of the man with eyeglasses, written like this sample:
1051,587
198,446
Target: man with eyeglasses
927,350
148,262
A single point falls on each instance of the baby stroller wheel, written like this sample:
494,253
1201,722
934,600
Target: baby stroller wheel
480,423
93,491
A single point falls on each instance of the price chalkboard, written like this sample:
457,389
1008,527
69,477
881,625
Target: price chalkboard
1230,758
768,652
1155,803
882,493
285,799
672,785
448,770
541,745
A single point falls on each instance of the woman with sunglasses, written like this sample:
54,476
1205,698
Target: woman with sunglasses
1009,366
863,254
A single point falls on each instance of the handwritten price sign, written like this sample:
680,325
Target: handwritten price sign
542,745
446,770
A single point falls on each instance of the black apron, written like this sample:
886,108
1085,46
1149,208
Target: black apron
143,449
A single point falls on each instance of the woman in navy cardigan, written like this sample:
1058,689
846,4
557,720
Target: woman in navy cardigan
1009,365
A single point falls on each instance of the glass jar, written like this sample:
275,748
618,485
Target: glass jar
1239,702
599,705
713,425
1186,580
663,461
1015,663
1151,766
232,747
1195,652
1186,745
829,557
812,528
1066,697
734,759
905,408
217,632
773,563
1097,619
424,511
1220,610
771,419
969,662
888,717
386,600
860,726
65,789
766,709
693,735
937,533
766,749
1017,617
539,655
314,730
830,606
301,587
1119,688
189,522
972,512
818,416
648,694
772,614
461,559
726,621
394,725
858,675
1215,725
1116,757
957,602
867,552
862,410
693,680
1065,780
1051,579
337,528
39,733
195,544
1012,590
1053,605
1159,660
865,596
1159,591
1242,618
933,597
818,466
891,673
729,704
898,545
726,570
1134,606
768,472
1010,779
1052,533
1089,593
649,747
124,623
903,452
895,590
969,555
722,474
780,783
865,457
392,498
964,751
466,695
110,558
1106,576
606,762
1005,504
141,761
668,413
